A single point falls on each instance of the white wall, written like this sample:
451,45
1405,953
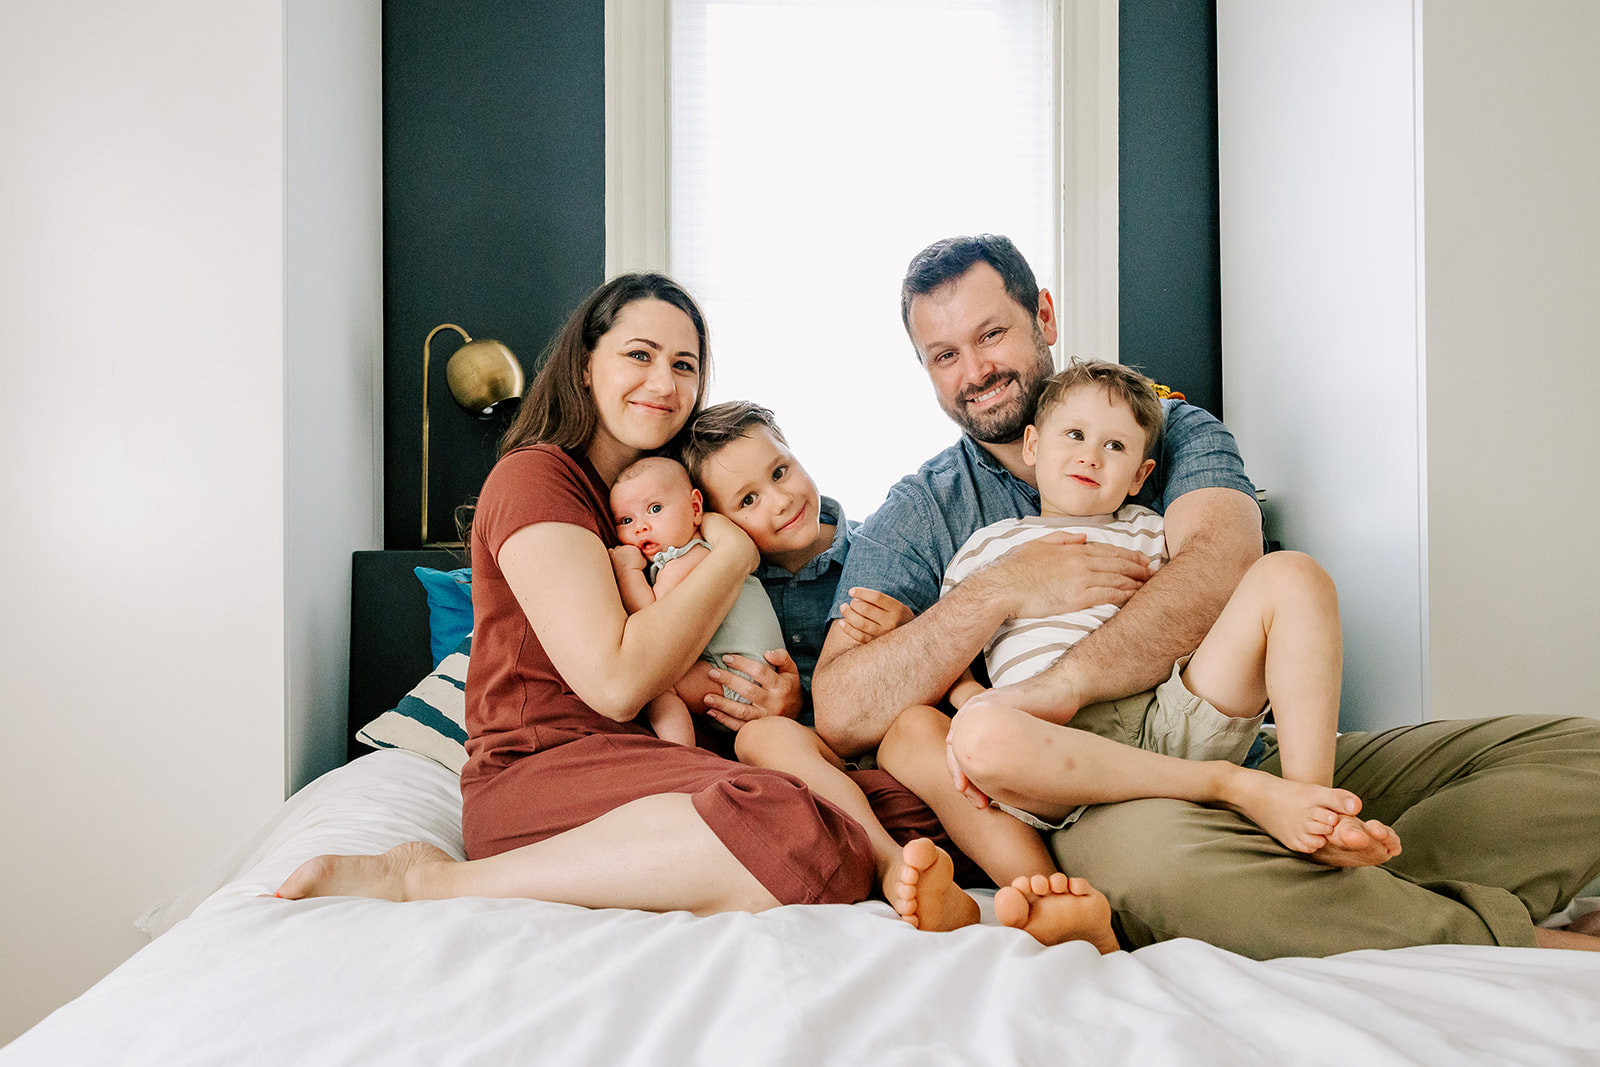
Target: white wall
1512,138
1319,320
149,460
334,358
1410,256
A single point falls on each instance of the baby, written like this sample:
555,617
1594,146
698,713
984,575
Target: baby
657,514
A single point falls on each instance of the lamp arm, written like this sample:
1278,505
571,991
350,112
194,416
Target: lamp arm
426,359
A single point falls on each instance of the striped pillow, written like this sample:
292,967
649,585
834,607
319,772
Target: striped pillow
431,720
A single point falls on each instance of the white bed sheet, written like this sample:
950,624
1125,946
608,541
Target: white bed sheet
250,980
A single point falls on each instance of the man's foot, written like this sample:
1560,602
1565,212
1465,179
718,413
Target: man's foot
1300,815
1057,908
380,877
924,891
1354,843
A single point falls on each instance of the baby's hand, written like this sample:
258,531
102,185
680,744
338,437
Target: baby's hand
625,558
871,614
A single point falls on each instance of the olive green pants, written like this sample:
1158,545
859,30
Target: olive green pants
1499,824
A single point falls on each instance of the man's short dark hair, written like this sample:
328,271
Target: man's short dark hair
945,261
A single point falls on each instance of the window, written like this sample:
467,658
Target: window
811,147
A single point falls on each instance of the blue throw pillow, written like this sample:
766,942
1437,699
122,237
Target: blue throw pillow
449,608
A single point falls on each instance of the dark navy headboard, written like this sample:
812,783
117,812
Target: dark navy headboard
388,631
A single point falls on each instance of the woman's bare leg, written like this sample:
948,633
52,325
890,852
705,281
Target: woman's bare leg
654,854
918,883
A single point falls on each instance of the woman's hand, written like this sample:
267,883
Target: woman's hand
773,688
723,536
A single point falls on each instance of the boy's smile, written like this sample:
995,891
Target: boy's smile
1087,454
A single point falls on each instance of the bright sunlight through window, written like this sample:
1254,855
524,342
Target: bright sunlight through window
815,147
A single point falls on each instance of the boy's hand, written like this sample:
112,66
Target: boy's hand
625,558
773,688
871,614
963,784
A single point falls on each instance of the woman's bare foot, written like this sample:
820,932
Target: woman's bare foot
382,877
1057,908
1354,843
924,891
1300,815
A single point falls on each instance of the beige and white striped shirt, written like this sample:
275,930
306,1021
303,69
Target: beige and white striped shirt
1022,648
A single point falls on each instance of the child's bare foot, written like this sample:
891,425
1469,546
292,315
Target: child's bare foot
381,877
1057,908
924,891
1300,815
1354,843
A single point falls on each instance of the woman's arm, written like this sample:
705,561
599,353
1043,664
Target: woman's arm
562,576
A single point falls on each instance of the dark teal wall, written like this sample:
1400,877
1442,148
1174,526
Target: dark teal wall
1171,313
494,206
494,212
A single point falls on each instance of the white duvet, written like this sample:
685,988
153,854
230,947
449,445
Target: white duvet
244,980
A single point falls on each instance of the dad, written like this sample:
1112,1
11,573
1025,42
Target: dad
1500,818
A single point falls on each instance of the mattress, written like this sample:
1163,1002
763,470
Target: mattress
234,977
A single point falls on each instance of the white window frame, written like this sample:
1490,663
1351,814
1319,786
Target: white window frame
638,81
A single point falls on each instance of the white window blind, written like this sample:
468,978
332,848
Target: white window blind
815,147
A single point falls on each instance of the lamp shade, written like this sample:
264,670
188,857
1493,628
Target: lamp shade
484,377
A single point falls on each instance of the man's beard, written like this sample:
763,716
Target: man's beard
1003,425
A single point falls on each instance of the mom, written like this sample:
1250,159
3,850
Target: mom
566,797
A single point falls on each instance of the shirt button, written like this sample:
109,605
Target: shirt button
794,639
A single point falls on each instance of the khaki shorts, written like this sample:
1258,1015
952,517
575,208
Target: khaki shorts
1167,719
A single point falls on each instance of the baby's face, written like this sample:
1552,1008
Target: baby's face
656,510
1087,454
757,482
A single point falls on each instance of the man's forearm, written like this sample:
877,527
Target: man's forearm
857,690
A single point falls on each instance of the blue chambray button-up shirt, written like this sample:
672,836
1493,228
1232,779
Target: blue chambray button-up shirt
803,600
903,548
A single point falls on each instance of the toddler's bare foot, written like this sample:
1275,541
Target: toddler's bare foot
924,891
1057,908
380,877
1300,815
1354,843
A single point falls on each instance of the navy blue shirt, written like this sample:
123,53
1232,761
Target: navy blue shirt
904,547
803,600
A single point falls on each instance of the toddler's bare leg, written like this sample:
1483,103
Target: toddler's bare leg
1278,640
1010,852
655,854
918,884
1050,770
669,717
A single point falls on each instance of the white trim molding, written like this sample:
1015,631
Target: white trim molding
638,92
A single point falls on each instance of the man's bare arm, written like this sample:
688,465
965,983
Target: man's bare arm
858,689
1213,536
